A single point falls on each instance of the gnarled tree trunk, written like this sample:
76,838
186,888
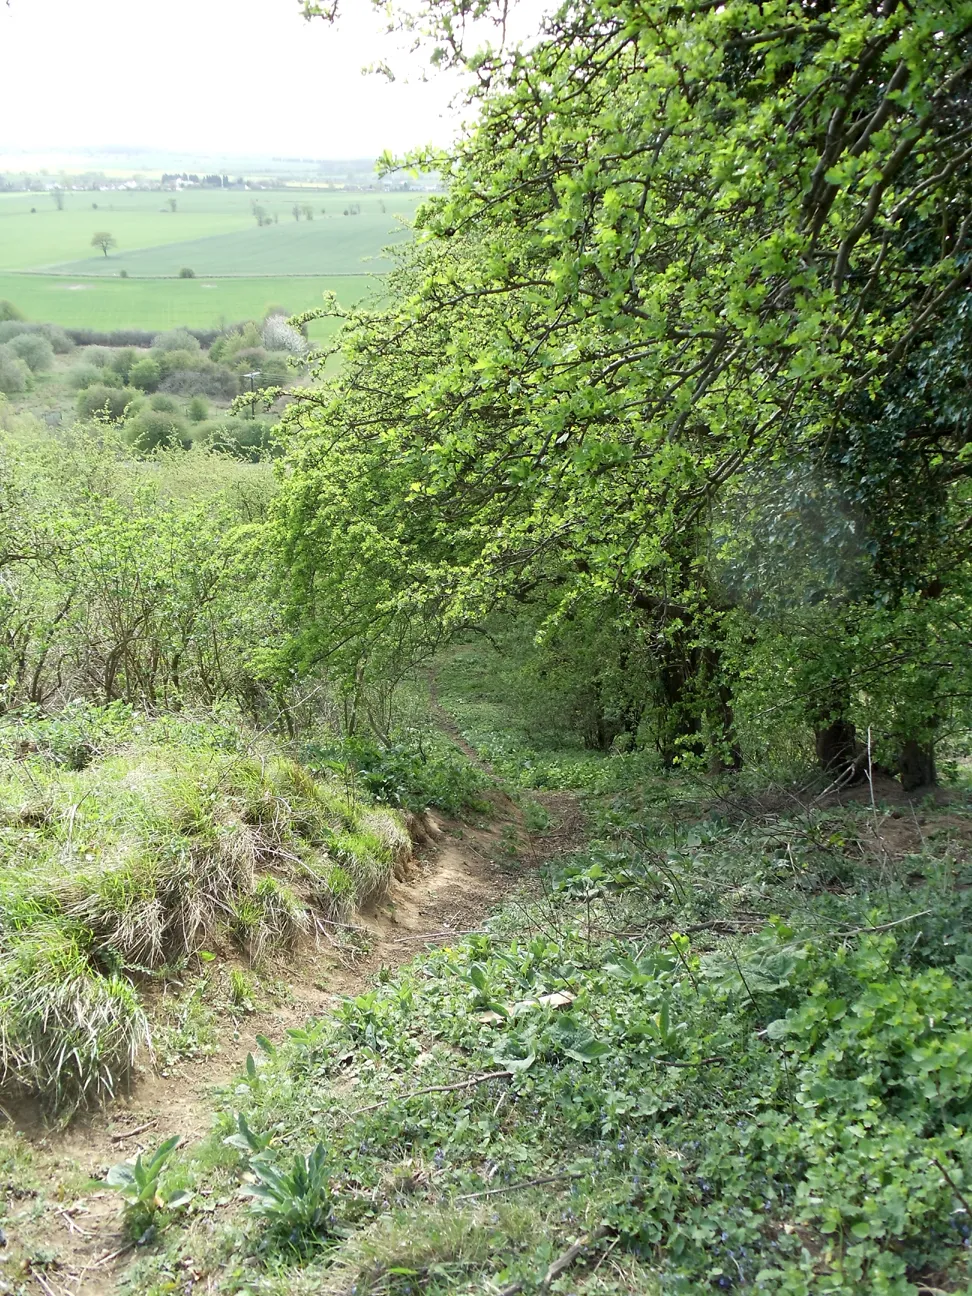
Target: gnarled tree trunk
916,765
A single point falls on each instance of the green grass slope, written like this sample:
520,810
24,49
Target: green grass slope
128,846
726,1046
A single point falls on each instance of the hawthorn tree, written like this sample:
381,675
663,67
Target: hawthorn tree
681,244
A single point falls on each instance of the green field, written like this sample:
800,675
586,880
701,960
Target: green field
50,271
167,303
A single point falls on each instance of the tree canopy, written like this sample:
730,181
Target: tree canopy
682,246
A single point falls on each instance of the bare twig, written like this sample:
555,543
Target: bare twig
42,1282
561,1263
139,1129
112,1255
857,931
840,782
870,772
570,1255
706,1061
435,935
69,1221
954,1186
462,1084
527,1183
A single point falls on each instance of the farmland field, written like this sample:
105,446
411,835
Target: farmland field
167,303
49,269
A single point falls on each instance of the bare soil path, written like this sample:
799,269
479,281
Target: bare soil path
69,1244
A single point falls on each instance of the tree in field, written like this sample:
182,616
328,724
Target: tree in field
307,210
710,245
296,211
58,196
104,240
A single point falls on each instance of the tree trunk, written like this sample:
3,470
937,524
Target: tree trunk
725,753
916,765
836,745
681,730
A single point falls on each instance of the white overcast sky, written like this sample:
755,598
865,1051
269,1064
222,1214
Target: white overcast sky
241,77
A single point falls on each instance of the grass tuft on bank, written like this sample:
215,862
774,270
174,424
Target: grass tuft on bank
127,847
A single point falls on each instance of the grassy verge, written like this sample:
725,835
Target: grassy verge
714,1063
728,1046
128,847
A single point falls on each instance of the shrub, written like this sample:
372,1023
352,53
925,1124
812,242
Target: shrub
406,775
274,369
278,335
11,329
35,350
58,338
244,336
176,340
198,410
167,404
84,375
117,337
55,335
170,361
8,311
145,374
108,404
212,380
98,355
235,434
186,273
122,362
249,358
14,373
152,428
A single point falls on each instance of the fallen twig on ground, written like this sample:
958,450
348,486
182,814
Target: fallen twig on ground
561,1263
527,1183
139,1129
462,1084
859,931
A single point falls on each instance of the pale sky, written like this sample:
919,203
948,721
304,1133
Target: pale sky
222,76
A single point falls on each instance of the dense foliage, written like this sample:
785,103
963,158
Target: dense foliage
682,307
121,583
655,453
